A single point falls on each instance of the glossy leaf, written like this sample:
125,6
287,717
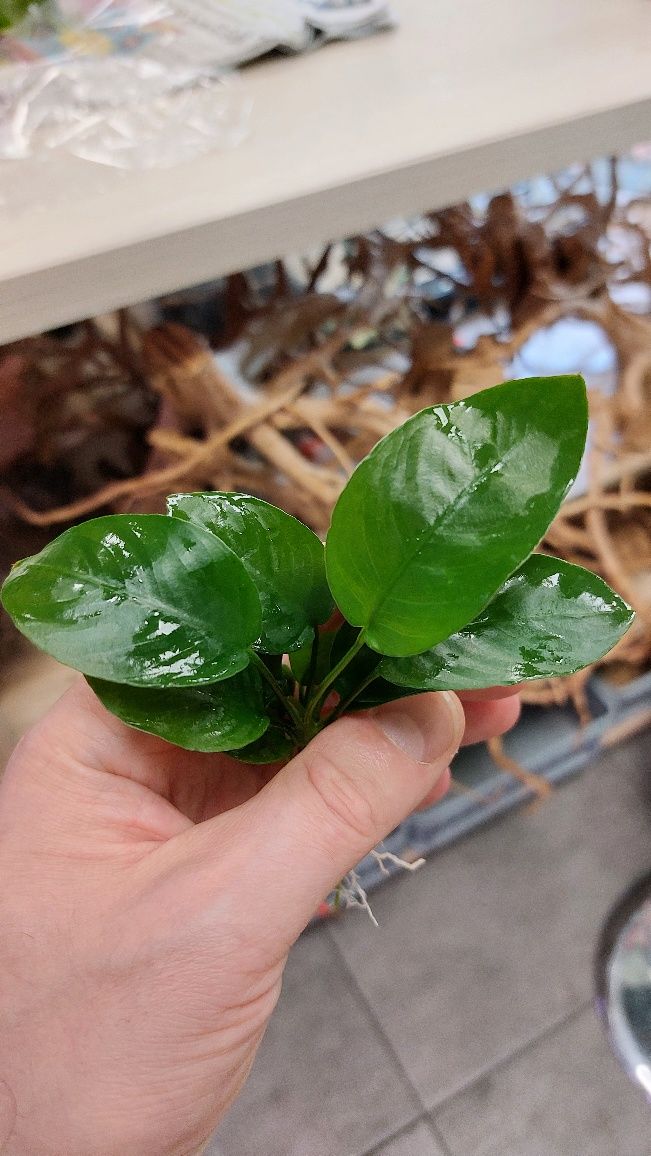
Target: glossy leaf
275,746
218,717
284,558
549,619
378,693
140,599
446,507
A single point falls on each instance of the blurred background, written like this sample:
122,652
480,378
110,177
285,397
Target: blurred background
238,246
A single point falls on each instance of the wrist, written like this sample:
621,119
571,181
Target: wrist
44,1112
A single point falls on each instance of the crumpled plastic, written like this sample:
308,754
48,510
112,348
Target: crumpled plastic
112,88
128,112
139,84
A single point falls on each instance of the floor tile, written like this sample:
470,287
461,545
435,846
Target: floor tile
324,1083
492,941
564,1097
415,1141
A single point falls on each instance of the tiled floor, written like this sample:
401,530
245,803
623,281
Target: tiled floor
468,1012
462,1026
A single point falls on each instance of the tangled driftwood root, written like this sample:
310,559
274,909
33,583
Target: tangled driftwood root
299,380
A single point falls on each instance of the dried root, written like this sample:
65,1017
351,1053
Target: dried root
308,369
350,892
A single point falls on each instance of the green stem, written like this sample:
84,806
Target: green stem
342,706
316,702
309,678
290,706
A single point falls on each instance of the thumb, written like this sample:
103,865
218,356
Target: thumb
333,803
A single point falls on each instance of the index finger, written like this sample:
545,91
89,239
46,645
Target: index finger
489,694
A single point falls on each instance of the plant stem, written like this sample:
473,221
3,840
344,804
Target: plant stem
321,691
274,663
288,704
309,679
342,706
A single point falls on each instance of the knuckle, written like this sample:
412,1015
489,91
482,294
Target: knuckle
342,797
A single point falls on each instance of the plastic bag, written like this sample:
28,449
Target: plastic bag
115,84
148,83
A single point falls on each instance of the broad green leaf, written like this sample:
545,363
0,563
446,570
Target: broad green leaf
275,746
549,619
140,599
379,692
284,558
279,742
218,717
446,507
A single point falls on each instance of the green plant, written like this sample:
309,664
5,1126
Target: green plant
206,625
11,11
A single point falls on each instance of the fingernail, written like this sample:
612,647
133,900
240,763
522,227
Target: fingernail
425,727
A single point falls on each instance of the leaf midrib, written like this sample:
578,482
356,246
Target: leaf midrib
75,576
433,527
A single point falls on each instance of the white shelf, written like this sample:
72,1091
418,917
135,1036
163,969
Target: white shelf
465,95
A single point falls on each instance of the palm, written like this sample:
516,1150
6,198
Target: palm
147,787
110,812
145,899
150,790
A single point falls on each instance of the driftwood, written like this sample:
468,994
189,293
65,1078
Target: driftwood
296,378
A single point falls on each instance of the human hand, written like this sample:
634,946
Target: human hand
150,897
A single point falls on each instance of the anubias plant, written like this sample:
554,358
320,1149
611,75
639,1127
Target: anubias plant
206,625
